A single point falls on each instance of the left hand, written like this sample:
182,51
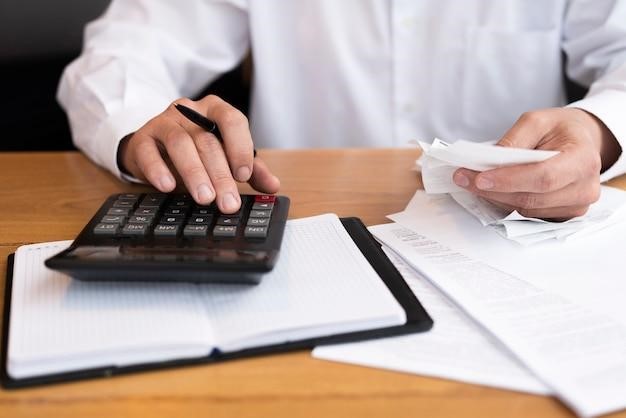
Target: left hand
561,187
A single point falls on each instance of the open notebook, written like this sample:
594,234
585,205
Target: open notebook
322,286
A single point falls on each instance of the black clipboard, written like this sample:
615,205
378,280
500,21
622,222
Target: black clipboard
417,321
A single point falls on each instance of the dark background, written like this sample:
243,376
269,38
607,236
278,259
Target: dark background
38,38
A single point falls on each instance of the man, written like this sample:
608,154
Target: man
334,73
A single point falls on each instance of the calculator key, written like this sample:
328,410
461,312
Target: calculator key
135,229
106,229
166,230
146,211
195,230
124,204
129,196
200,220
258,221
137,219
260,213
183,197
203,211
119,211
264,198
230,215
211,207
179,204
263,205
172,219
255,232
176,211
152,201
227,220
113,219
224,231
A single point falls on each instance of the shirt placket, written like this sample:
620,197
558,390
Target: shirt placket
408,73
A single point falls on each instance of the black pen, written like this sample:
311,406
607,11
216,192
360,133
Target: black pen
202,121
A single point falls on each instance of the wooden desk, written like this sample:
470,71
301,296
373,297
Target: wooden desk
50,196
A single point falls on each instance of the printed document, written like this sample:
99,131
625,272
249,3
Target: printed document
558,307
456,348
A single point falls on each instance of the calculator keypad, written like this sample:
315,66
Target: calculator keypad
178,216
170,238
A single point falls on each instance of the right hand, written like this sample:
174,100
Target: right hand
169,146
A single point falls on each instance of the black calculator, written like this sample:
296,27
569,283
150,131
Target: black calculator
168,237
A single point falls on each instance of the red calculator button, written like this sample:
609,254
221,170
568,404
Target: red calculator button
264,198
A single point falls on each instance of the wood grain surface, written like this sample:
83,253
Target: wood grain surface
50,196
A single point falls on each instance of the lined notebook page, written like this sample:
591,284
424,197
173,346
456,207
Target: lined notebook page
321,285
59,324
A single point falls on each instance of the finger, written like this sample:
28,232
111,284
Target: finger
542,177
572,195
262,178
501,205
235,130
214,159
555,214
182,152
147,160
527,131
575,194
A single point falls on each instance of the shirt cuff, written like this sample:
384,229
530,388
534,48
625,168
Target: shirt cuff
117,126
608,106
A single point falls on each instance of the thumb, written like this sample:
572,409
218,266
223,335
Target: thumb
527,132
262,178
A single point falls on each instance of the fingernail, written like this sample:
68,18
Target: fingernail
167,182
484,183
243,173
204,193
229,202
461,180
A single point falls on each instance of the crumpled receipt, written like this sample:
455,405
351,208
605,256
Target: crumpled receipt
441,159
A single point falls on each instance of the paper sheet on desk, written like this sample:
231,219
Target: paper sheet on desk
579,353
588,273
456,348
440,159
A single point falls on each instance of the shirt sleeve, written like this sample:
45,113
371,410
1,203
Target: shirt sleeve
594,40
138,57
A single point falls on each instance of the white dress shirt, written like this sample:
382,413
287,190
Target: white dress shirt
347,73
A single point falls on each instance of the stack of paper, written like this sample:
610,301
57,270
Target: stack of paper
456,348
440,160
557,308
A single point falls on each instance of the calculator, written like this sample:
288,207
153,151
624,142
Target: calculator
168,237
